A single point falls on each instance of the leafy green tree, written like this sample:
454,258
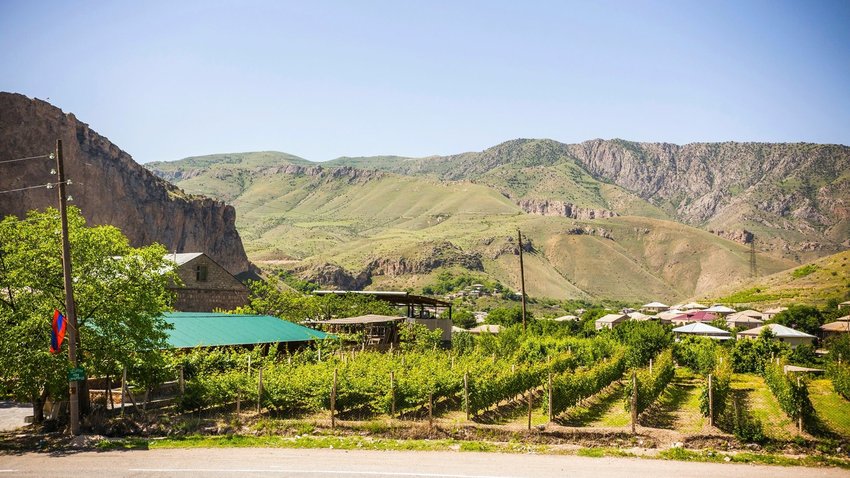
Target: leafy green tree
120,294
463,318
804,318
508,316
751,355
645,340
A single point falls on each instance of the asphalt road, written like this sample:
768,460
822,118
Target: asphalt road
375,464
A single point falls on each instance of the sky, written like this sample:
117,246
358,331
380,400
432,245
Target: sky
165,80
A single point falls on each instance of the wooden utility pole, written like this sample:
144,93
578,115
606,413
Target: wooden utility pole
70,309
521,278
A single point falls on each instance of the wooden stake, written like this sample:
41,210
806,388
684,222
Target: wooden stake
181,381
466,394
634,402
430,410
650,366
551,399
123,389
333,401
710,401
530,399
800,412
392,394
259,388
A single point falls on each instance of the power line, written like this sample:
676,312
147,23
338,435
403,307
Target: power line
48,186
25,159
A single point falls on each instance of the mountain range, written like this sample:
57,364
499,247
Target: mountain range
604,219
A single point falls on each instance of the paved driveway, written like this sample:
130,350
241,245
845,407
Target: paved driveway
12,414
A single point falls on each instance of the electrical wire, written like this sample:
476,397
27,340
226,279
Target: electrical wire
25,159
48,186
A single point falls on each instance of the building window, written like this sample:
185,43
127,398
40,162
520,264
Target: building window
201,273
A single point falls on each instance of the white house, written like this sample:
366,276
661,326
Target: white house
703,330
610,321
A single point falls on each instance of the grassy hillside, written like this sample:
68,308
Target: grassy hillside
812,283
384,226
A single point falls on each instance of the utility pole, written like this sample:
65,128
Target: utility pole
521,278
70,309
753,256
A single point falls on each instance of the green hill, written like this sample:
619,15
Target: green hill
812,283
354,228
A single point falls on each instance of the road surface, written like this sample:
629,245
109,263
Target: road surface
372,464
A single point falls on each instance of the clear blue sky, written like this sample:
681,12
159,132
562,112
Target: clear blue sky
169,79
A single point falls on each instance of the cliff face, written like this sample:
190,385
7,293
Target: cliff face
108,186
547,207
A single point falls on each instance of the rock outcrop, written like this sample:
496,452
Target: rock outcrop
108,186
547,207
740,236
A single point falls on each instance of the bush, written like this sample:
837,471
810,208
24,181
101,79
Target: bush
721,379
463,318
644,340
751,356
840,375
792,398
697,353
650,385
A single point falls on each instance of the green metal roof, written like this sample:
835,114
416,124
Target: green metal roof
209,329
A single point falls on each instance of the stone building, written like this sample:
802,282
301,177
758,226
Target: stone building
206,285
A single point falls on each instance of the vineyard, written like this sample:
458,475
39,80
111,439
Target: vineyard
636,377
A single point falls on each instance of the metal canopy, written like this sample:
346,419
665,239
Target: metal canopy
205,329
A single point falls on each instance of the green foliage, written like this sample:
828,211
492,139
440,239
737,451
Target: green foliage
120,294
697,353
270,297
804,318
839,348
751,356
463,343
448,282
463,318
650,384
721,379
644,340
570,387
508,316
298,284
840,375
804,271
790,391
417,337
747,428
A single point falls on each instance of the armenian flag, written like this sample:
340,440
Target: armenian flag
57,335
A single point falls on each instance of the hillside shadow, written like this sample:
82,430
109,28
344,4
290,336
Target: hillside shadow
593,408
662,414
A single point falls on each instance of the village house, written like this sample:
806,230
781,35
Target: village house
771,313
610,321
840,326
746,319
783,334
206,286
701,329
654,308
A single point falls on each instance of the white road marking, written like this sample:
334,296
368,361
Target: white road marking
323,472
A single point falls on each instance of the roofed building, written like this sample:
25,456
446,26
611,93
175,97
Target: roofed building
746,319
654,307
610,321
702,330
783,334
205,329
206,285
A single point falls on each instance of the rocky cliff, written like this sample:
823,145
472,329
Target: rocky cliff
547,207
108,186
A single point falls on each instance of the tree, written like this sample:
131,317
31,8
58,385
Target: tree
507,316
120,294
463,318
804,318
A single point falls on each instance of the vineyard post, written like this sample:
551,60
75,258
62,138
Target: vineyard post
333,401
634,401
431,410
530,399
799,410
453,362
289,360
551,404
259,388
392,393
238,402
710,402
181,381
249,365
123,389
466,394
650,366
